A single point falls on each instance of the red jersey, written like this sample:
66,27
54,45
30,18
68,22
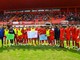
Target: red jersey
28,29
62,31
24,31
37,29
77,32
51,37
68,33
42,31
72,32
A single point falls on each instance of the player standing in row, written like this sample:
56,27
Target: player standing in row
62,36
51,37
68,36
57,34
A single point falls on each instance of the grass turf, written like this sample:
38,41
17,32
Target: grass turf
38,53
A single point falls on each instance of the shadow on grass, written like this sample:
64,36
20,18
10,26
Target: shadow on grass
40,47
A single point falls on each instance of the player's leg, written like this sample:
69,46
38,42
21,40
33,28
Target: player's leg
67,43
1,41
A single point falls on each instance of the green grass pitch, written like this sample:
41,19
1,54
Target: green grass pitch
38,53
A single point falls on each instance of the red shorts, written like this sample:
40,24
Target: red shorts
4,36
77,40
24,36
73,38
15,35
51,38
68,38
20,41
62,38
20,37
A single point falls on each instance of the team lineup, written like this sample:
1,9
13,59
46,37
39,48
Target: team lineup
55,35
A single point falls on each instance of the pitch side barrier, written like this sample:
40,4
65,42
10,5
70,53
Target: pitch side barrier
41,25
27,24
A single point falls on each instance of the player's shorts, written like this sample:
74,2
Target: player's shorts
68,38
20,37
24,36
73,38
4,36
51,38
15,35
61,38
